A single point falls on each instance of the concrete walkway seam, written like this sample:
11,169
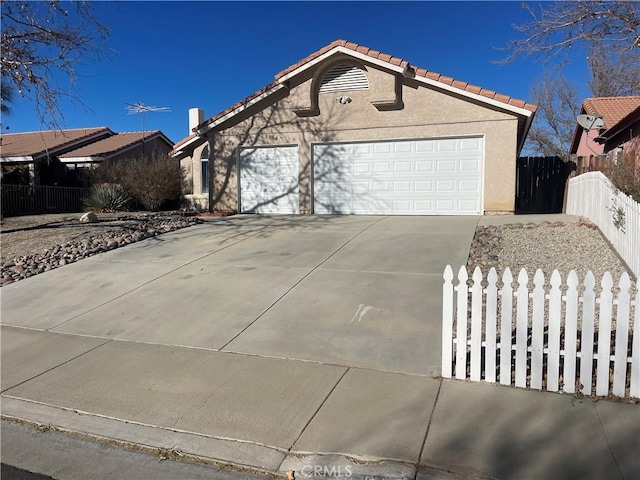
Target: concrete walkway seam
298,283
159,277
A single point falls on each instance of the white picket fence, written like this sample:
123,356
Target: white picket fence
591,195
556,337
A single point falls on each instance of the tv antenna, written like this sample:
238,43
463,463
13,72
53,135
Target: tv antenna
138,107
588,123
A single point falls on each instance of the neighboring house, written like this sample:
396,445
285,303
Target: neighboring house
52,156
621,129
352,130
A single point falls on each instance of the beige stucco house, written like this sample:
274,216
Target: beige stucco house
355,131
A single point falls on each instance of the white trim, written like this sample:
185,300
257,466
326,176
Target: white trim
347,51
181,150
475,96
97,158
390,66
26,159
239,109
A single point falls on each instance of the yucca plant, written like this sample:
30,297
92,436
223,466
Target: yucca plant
106,197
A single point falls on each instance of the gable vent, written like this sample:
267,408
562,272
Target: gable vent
342,78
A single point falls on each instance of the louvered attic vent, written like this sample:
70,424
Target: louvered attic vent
342,78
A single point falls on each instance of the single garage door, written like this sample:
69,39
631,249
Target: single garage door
268,180
404,177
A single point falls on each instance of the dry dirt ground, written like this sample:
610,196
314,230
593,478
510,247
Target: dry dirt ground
31,234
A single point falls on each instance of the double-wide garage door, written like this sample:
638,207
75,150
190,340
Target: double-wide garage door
404,177
408,177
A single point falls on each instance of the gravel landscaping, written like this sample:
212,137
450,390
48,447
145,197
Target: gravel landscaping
34,244
548,246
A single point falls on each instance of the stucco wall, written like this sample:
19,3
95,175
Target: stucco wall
411,110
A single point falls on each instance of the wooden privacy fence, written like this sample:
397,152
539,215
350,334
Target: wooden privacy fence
17,199
584,164
555,337
617,215
540,184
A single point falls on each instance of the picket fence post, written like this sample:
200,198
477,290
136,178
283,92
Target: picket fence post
543,336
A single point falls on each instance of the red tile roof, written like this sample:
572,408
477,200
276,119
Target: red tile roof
612,109
114,144
33,144
418,72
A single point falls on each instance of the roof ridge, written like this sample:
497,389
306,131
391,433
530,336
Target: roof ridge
613,97
138,131
56,131
417,71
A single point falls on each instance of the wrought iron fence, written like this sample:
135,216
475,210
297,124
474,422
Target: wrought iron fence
24,199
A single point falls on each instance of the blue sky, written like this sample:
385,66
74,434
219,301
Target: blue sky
212,54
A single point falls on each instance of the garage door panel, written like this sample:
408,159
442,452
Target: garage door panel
424,166
402,167
401,187
269,180
423,177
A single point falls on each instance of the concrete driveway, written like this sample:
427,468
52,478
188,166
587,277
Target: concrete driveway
286,343
348,290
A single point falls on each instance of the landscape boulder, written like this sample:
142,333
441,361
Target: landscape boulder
89,217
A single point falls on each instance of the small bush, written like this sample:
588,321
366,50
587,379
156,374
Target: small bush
624,173
152,181
106,198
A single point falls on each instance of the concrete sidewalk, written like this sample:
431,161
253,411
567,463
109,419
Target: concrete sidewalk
289,344
274,415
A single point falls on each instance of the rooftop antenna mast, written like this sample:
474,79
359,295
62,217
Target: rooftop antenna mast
138,107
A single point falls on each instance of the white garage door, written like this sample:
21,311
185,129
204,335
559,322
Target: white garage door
405,177
269,180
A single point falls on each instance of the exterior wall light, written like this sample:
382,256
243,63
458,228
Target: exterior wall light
343,100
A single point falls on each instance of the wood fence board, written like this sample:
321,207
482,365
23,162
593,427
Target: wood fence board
604,335
622,336
506,297
586,339
447,322
476,325
522,329
570,334
491,316
537,330
555,308
461,324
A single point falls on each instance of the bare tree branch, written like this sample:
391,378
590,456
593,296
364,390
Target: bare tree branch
556,29
613,75
558,105
40,41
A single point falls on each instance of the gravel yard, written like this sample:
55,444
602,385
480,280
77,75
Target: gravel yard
33,244
548,246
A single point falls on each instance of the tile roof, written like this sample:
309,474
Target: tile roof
114,144
33,144
420,72
374,54
612,109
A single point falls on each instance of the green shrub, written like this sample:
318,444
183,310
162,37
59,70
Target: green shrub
106,198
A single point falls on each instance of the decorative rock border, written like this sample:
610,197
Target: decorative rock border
59,255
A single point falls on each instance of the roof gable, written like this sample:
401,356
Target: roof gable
115,144
489,97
